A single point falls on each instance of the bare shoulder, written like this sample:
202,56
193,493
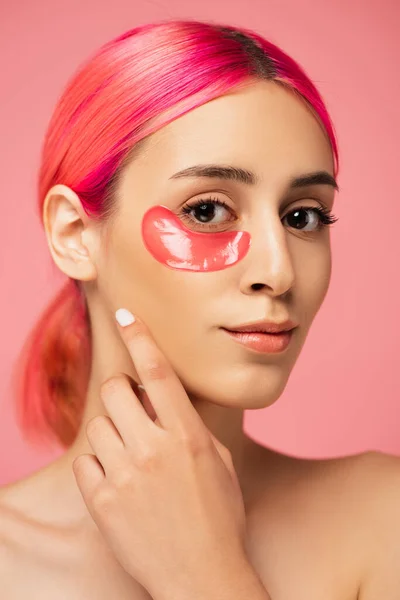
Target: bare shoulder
350,504
361,489
24,533
378,475
10,530
373,475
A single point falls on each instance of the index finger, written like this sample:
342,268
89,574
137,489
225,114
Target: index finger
163,387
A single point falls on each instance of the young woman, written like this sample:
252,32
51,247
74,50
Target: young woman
188,177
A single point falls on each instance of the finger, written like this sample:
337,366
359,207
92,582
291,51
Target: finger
89,475
224,453
163,387
147,405
106,442
125,409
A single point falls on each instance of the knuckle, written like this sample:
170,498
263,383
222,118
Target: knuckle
139,334
79,464
147,460
111,385
123,479
157,370
95,424
103,499
193,443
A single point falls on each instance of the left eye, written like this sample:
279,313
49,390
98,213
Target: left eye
324,217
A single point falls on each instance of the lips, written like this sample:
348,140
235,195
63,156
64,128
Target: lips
272,328
262,341
258,331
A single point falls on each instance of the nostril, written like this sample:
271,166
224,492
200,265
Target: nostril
257,286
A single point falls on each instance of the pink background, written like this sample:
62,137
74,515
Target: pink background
343,394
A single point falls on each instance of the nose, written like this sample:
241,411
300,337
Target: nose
268,265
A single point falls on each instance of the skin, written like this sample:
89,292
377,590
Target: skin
316,520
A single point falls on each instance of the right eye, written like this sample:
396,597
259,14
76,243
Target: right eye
206,210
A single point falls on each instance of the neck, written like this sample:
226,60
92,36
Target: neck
226,423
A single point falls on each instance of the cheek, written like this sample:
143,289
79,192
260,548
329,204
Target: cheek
175,246
314,277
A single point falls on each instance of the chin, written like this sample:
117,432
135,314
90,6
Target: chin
244,389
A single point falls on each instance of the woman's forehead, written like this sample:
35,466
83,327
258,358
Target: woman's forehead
263,128
263,121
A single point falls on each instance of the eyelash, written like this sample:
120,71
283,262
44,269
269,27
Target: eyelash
326,216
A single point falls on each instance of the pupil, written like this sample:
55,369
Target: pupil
299,223
208,209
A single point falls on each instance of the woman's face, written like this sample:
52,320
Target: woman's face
286,271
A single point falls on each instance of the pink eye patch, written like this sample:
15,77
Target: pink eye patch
174,245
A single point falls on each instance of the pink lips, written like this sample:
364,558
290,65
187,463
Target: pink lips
263,342
176,246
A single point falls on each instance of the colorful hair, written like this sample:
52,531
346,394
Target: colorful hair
131,87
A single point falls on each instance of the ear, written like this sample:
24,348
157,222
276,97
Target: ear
70,233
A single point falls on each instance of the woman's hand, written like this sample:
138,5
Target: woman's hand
163,492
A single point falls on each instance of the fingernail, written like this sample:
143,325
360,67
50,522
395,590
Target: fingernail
124,317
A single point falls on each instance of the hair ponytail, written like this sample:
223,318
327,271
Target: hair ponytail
53,369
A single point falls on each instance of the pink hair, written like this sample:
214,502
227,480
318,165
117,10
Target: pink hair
132,86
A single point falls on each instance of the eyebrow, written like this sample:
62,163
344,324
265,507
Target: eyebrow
248,177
